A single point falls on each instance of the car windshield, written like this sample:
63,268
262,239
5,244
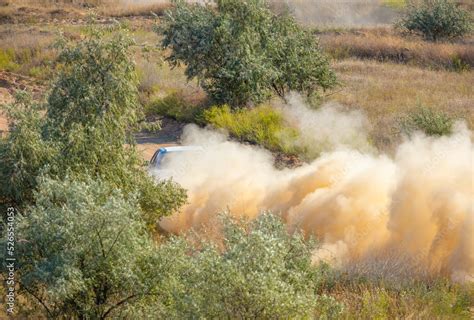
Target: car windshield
159,158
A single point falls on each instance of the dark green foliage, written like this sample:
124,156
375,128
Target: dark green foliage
242,53
437,19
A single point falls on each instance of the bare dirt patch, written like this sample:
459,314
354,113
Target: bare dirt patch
169,135
12,82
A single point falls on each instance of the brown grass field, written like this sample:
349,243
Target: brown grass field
388,91
384,44
41,11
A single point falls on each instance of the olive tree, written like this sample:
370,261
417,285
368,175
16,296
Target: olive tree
242,53
85,127
257,271
23,153
436,19
82,250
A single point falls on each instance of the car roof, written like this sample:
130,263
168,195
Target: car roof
180,148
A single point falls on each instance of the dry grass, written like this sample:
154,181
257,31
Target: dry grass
110,8
38,11
27,51
388,91
30,12
385,45
417,300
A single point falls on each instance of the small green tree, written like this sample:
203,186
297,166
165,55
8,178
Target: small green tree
436,20
242,53
82,250
427,120
258,271
24,153
91,113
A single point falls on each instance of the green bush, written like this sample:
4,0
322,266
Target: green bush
395,4
258,271
7,60
84,249
437,19
262,125
91,113
242,53
459,65
427,120
24,153
173,106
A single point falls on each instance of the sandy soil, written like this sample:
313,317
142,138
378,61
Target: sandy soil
148,143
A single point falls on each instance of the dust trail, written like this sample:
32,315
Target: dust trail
150,2
412,212
327,128
340,13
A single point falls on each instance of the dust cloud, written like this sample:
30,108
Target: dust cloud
327,128
150,2
411,212
340,13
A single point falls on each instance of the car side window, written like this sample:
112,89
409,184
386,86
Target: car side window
153,159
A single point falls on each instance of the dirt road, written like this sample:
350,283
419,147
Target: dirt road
148,143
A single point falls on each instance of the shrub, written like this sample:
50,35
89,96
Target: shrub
395,4
380,46
379,299
21,52
427,120
259,271
437,19
174,106
242,53
23,153
83,250
262,125
7,61
459,65
90,114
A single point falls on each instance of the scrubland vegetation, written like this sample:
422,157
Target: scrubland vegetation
436,20
262,125
384,45
88,241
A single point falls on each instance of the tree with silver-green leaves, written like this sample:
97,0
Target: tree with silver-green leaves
436,19
82,251
242,53
84,127
257,270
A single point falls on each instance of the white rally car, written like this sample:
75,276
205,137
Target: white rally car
158,163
